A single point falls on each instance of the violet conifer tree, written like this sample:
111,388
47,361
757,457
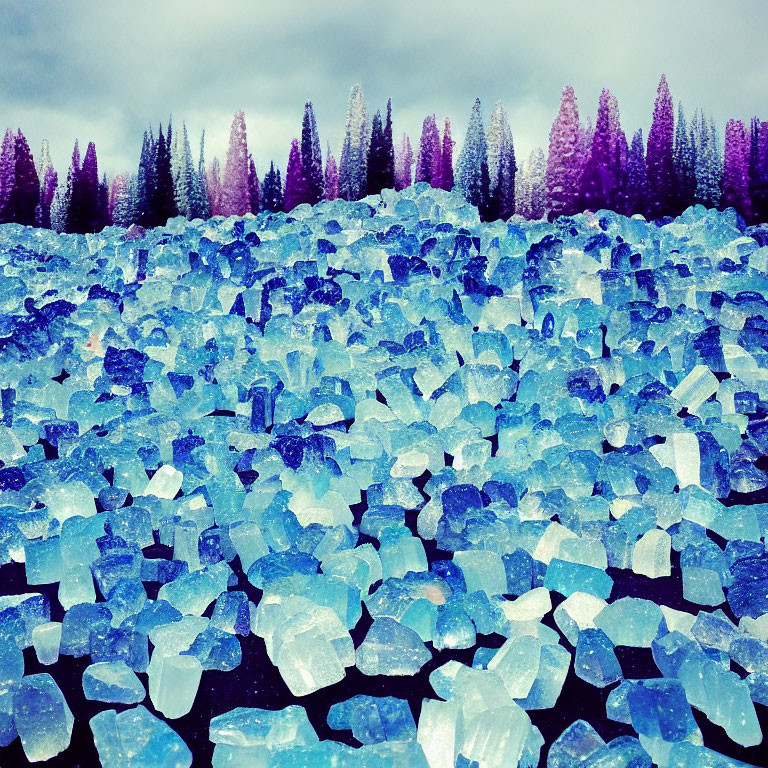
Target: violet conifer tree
25,191
598,182
164,202
685,164
446,158
563,161
311,157
636,189
235,198
758,170
736,169
295,182
659,157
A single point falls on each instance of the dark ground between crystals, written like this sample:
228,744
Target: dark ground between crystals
257,683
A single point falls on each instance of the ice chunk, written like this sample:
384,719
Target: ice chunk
11,663
69,500
682,454
496,738
517,663
135,738
651,554
630,621
576,613
595,659
42,716
697,387
483,570
173,683
439,732
263,730
114,682
47,638
194,592
567,578
390,648
165,483
373,719
574,746
308,662
534,604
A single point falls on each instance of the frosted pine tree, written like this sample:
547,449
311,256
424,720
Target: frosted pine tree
707,165
685,163
199,203
429,149
25,192
353,172
389,149
403,164
636,189
48,182
254,186
472,169
736,169
501,164
235,198
123,189
537,184
331,176
311,157
213,185
563,161
377,158
43,161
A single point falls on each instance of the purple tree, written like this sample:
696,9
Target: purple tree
311,158
636,190
736,169
598,179
563,170
25,191
235,195
295,183
429,149
659,159
758,170
446,158
331,176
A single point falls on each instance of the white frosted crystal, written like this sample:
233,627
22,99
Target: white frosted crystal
308,662
165,483
70,499
532,605
517,664
173,683
577,612
47,638
483,570
681,454
438,732
549,543
696,388
651,554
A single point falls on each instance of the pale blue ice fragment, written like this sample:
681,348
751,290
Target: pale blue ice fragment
390,648
453,627
374,718
216,649
566,578
8,732
135,738
574,746
11,663
658,709
42,717
31,608
114,682
554,662
621,752
630,621
685,755
595,659
232,614
483,570
263,729
194,592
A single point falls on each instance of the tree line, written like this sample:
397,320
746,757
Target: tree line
587,166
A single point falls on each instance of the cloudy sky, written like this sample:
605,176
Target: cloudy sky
102,70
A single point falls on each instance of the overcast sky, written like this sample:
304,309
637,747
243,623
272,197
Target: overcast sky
102,70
